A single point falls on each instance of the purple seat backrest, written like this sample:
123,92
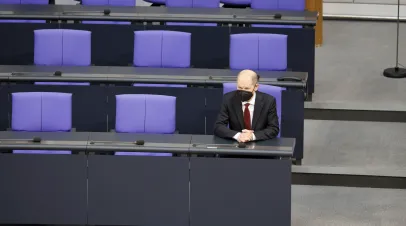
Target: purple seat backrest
176,49
276,26
143,154
130,113
42,152
258,51
122,2
62,47
4,2
160,114
141,113
159,85
206,3
24,2
162,49
161,2
193,3
191,24
244,51
37,112
56,112
106,22
26,111
35,2
274,91
273,52
63,83
236,2
264,4
296,5
41,111
179,3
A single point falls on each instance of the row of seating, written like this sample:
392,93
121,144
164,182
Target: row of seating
135,113
297,5
161,49
255,4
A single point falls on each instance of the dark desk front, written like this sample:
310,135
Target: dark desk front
220,184
207,51
143,190
197,105
45,189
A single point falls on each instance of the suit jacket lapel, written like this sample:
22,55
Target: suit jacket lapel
238,109
259,104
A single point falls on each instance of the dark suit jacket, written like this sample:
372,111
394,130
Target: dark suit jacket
265,121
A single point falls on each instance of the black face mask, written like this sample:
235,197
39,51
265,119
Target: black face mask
244,95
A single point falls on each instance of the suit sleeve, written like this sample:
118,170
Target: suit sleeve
272,129
221,125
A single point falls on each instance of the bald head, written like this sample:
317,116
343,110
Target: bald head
247,80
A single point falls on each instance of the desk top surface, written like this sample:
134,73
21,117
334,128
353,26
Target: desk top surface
156,14
175,143
142,74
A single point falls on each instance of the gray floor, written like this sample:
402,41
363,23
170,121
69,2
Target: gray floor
355,144
349,69
349,75
339,206
349,65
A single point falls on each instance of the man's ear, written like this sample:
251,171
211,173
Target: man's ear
256,87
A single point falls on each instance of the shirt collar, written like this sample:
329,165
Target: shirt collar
252,101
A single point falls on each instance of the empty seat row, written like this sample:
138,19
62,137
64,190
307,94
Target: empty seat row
255,4
135,113
161,49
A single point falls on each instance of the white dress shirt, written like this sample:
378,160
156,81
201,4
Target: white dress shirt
251,109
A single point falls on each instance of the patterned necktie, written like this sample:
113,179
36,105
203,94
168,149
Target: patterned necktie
247,117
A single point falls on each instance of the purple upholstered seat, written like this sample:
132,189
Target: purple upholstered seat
191,24
290,5
192,4
41,112
156,2
274,91
110,3
25,2
159,85
141,113
62,47
106,22
35,2
162,49
276,26
63,83
258,51
236,2
4,2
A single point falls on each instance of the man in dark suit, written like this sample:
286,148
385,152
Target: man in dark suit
247,114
